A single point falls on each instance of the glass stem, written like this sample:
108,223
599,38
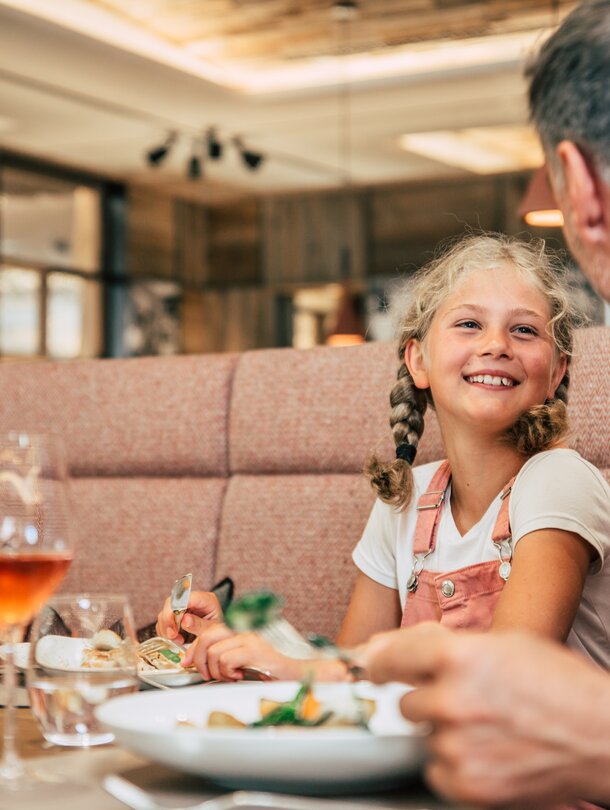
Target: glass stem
11,765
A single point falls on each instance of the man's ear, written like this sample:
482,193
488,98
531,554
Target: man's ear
415,362
586,194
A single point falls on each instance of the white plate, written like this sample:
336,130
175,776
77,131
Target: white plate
21,652
169,677
62,652
66,654
53,652
314,760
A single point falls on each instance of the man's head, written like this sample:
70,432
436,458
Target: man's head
569,96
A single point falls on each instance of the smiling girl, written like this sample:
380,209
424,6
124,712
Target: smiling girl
512,529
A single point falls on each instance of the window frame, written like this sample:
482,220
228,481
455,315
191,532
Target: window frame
111,259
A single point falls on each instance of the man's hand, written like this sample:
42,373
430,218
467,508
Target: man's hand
203,608
515,719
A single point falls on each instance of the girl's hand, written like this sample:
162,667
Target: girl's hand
203,608
219,654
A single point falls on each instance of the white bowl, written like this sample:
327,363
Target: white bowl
311,760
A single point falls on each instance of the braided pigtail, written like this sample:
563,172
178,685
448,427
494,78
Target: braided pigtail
543,425
393,480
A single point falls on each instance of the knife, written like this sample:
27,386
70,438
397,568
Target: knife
179,597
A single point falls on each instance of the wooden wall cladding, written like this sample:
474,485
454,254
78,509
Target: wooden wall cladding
228,320
298,239
303,237
234,244
406,223
151,235
192,243
237,261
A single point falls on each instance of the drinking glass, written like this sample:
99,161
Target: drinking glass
35,552
83,651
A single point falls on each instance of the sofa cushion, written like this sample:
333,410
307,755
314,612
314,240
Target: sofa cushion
294,534
316,411
138,535
146,416
589,397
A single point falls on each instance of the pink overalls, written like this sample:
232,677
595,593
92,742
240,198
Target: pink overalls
465,598
461,599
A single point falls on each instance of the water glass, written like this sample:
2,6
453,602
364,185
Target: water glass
83,652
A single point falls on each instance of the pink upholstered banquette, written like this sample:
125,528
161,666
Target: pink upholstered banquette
242,465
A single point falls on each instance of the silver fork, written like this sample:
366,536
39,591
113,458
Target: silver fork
260,612
288,640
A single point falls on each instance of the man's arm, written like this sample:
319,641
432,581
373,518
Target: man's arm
515,718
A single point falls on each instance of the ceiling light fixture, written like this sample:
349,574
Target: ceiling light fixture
209,144
251,159
157,154
539,207
348,328
482,150
214,146
194,170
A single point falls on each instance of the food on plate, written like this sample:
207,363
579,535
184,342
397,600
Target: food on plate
161,655
162,659
106,640
304,711
107,651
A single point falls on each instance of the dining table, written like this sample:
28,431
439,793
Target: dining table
80,773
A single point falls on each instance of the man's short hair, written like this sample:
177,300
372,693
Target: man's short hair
569,84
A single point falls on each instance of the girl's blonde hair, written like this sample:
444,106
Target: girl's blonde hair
537,429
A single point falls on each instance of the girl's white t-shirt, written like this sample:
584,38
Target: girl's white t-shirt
556,489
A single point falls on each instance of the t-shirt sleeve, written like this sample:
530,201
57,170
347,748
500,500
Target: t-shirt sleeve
561,490
375,554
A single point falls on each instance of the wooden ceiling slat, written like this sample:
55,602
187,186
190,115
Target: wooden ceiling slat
289,29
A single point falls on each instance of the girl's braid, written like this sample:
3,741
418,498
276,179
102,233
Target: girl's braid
393,480
543,425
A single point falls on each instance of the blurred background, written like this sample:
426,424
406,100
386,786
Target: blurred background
220,175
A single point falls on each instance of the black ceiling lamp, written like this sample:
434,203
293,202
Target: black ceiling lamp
250,158
214,146
204,146
194,169
157,154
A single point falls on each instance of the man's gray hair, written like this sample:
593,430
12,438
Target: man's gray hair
569,85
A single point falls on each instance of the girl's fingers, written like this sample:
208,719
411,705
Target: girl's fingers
165,625
206,605
203,608
197,653
194,624
220,648
198,658
231,662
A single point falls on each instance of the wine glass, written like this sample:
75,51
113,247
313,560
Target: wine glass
35,552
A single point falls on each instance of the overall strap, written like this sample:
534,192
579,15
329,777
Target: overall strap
501,530
429,510
501,535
